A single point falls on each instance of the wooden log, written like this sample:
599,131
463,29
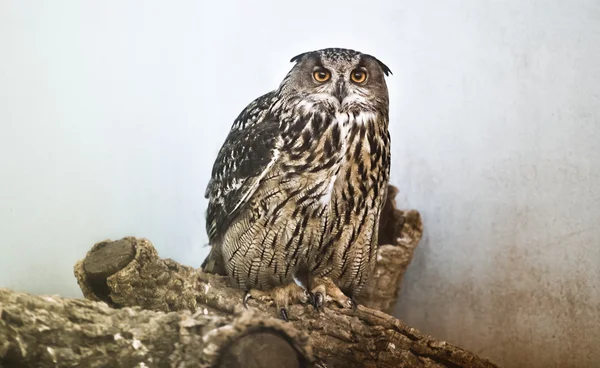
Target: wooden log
339,337
50,331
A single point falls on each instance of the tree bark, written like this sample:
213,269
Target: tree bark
399,234
150,312
58,332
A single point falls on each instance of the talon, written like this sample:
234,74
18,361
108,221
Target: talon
318,300
247,297
281,296
310,297
353,304
284,314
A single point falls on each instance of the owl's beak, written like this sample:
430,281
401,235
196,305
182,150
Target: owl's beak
340,90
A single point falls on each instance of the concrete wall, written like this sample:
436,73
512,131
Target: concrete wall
112,114
498,146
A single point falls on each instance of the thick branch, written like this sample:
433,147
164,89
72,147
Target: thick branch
55,332
364,337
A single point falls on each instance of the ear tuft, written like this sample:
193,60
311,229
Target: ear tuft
384,67
298,57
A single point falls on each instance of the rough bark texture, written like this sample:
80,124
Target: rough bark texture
399,234
147,311
56,332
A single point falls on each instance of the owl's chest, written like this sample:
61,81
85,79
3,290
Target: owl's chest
361,164
329,156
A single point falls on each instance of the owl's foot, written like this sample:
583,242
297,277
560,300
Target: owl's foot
326,290
283,297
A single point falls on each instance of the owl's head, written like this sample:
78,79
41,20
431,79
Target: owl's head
343,78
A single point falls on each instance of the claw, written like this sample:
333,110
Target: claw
247,297
325,289
310,297
284,314
318,300
281,296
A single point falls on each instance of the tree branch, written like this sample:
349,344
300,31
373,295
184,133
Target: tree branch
57,332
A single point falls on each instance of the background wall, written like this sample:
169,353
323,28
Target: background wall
112,113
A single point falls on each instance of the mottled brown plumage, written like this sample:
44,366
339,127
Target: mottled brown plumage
298,186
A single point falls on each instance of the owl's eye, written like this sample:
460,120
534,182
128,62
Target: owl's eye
322,75
359,76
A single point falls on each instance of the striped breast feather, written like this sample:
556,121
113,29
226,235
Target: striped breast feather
248,154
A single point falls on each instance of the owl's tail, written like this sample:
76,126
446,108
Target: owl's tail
214,262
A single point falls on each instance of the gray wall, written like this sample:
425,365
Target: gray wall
112,114
497,143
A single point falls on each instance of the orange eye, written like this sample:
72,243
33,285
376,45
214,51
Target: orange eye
358,76
322,75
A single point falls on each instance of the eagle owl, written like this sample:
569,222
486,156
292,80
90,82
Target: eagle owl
298,186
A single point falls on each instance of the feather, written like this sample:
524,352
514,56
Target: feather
249,151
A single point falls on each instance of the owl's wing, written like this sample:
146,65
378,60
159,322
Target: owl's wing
249,152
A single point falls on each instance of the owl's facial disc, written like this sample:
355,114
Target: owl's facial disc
338,79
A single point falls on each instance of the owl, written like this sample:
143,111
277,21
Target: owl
298,186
